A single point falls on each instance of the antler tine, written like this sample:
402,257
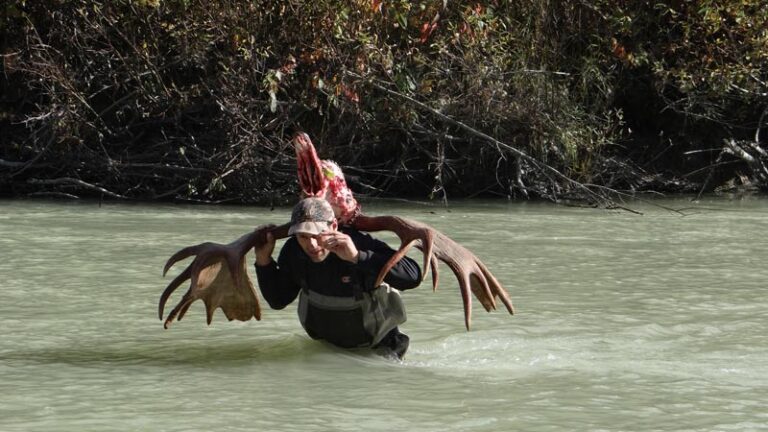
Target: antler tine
464,263
196,268
466,299
178,280
208,313
185,302
183,311
497,289
435,277
191,272
482,291
427,248
180,255
404,247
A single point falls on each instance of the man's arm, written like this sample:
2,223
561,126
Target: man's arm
275,281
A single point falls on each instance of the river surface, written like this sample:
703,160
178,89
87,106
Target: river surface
624,323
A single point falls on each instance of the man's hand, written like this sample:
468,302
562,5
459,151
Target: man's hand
340,244
264,253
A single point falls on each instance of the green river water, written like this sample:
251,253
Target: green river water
624,323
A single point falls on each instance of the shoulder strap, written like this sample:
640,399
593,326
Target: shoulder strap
357,288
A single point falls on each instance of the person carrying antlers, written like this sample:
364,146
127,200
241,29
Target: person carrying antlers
333,270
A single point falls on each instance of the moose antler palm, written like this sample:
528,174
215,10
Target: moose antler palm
218,274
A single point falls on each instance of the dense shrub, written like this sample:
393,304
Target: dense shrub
175,99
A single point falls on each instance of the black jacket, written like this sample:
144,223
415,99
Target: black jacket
280,282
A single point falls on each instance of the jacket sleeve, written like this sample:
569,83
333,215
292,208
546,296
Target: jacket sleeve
276,282
374,254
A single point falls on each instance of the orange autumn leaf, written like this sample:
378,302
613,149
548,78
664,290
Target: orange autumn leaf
349,93
426,31
618,49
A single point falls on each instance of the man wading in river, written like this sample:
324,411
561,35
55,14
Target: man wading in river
341,276
333,273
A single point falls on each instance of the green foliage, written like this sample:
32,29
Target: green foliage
708,57
197,100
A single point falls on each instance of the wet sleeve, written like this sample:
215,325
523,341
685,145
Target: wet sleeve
374,254
276,282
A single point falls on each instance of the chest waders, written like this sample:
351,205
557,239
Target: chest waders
357,321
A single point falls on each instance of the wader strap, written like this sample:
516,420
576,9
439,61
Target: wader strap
357,289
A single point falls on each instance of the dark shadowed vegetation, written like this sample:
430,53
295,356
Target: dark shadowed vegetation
197,100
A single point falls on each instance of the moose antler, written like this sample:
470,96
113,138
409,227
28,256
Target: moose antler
218,277
469,270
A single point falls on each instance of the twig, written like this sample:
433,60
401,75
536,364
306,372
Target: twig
170,192
162,166
11,164
77,182
709,175
760,126
37,156
537,71
54,194
711,166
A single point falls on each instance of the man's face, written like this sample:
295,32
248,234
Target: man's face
312,244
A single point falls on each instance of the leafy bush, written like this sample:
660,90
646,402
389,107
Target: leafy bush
192,100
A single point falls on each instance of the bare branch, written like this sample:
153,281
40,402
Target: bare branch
598,198
75,182
11,164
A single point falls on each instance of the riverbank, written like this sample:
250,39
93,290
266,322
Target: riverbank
196,101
